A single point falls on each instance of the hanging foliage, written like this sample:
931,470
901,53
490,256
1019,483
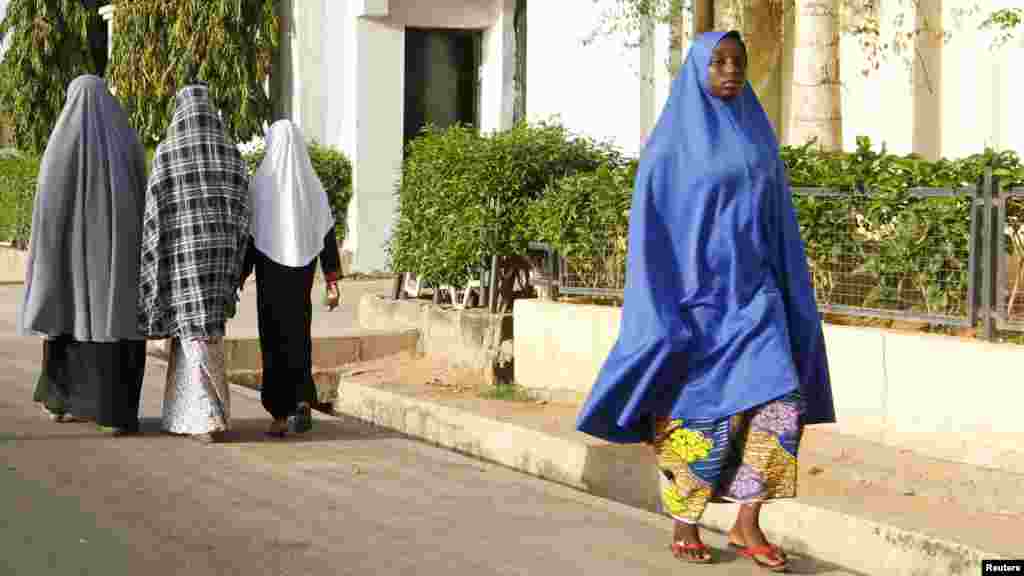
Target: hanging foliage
162,45
48,47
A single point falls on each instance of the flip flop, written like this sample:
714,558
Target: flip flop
740,547
769,551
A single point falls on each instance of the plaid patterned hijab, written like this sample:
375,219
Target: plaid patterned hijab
195,227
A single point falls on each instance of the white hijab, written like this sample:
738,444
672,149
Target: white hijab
290,211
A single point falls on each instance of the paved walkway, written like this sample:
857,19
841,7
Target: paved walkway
347,499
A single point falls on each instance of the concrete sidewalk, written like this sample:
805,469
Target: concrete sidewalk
864,506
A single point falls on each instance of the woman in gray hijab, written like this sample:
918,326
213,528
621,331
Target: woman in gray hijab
83,262
195,230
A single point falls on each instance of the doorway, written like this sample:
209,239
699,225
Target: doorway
442,84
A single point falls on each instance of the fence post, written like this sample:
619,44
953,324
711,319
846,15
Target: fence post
485,288
975,250
554,271
999,282
493,287
398,290
989,259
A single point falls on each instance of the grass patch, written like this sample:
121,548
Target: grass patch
508,393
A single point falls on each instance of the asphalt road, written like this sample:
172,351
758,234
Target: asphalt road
347,499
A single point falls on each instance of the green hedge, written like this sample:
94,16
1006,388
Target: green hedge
586,216
879,249
335,173
18,175
464,197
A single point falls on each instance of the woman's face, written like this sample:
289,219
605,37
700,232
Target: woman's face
727,73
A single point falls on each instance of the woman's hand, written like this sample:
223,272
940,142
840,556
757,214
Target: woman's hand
332,297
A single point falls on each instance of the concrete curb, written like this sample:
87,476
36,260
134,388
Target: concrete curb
624,473
243,354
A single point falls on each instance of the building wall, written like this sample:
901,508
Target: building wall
957,103
604,90
342,80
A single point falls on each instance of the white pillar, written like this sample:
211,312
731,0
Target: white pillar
497,74
107,13
376,72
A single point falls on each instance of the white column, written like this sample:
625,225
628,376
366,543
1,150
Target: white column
107,13
377,75
1012,115
497,74
927,79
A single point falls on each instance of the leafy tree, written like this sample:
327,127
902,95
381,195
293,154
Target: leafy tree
630,20
161,45
48,46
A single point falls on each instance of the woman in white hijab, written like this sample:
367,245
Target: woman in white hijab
291,225
81,281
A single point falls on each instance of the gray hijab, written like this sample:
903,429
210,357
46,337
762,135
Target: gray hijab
83,261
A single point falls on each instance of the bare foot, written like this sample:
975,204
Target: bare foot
749,537
686,544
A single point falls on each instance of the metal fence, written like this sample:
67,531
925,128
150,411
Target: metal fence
907,262
602,276
952,257
1009,217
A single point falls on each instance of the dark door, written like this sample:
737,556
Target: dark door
441,83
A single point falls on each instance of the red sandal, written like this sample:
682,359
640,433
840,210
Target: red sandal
681,550
739,547
778,562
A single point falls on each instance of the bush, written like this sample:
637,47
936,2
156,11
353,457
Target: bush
335,173
586,215
880,248
887,247
18,176
465,197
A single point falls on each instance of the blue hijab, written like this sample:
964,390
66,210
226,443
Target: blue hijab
719,313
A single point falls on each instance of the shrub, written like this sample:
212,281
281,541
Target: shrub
331,166
464,197
586,216
887,247
18,174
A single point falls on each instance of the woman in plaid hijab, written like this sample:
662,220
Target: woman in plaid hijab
195,230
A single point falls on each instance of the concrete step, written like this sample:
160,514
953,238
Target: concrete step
331,355
863,506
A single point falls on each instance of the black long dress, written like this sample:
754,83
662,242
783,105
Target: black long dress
96,381
285,315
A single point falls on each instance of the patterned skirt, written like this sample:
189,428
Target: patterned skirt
197,396
749,457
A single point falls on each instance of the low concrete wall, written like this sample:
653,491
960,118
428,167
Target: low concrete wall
945,397
469,340
245,364
243,354
12,265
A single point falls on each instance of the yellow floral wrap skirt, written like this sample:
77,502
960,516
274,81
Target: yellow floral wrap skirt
749,457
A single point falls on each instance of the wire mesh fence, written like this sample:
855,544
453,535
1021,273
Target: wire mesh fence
868,255
879,256
1011,268
601,274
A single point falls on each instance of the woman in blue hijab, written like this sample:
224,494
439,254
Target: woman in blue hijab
720,359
